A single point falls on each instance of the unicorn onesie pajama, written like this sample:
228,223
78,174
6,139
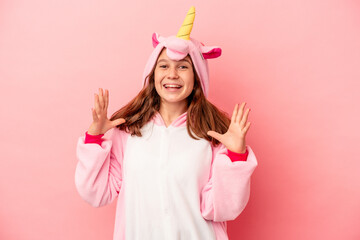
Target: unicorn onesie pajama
168,185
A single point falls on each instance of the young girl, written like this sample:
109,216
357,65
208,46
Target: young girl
179,167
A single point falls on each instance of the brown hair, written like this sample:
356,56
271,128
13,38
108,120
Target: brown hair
202,115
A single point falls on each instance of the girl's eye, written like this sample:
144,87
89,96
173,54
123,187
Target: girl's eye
181,67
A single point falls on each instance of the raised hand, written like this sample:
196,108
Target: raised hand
234,138
101,124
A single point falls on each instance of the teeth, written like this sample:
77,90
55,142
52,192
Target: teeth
172,85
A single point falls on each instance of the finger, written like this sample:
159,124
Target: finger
215,135
101,98
240,112
106,97
94,115
233,117
245,117
97,105
247,127
117,122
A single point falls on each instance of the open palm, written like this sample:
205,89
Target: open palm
101,124
234,138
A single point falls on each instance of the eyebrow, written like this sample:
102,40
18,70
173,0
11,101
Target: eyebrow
182,60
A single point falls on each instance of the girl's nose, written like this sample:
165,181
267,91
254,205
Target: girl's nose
172,73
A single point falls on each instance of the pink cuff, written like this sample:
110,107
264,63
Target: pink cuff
237,156
93,138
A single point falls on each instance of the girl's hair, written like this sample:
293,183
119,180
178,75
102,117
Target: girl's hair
202,115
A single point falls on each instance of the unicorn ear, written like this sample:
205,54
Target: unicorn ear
155,39
210,52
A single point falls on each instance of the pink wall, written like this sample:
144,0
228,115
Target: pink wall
296,64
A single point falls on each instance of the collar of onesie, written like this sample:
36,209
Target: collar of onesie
180,121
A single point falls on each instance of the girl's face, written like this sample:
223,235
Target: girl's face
174,80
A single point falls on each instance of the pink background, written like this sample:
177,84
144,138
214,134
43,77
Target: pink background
295,63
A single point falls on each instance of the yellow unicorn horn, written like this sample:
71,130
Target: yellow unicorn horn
185,30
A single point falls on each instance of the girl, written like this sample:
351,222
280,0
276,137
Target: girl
179,167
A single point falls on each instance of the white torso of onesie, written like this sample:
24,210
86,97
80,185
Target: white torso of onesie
164,172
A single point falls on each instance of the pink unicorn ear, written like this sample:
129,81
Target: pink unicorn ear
155,39
210,52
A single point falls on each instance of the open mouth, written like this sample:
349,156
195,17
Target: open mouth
172,86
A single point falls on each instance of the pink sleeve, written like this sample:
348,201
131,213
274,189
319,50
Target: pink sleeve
93,138
98,174
227,192
237,156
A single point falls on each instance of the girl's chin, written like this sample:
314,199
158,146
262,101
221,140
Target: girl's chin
173,100
174,97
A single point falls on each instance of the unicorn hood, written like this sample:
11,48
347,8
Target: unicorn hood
179,46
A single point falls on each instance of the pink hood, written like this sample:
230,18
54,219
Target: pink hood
177,49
